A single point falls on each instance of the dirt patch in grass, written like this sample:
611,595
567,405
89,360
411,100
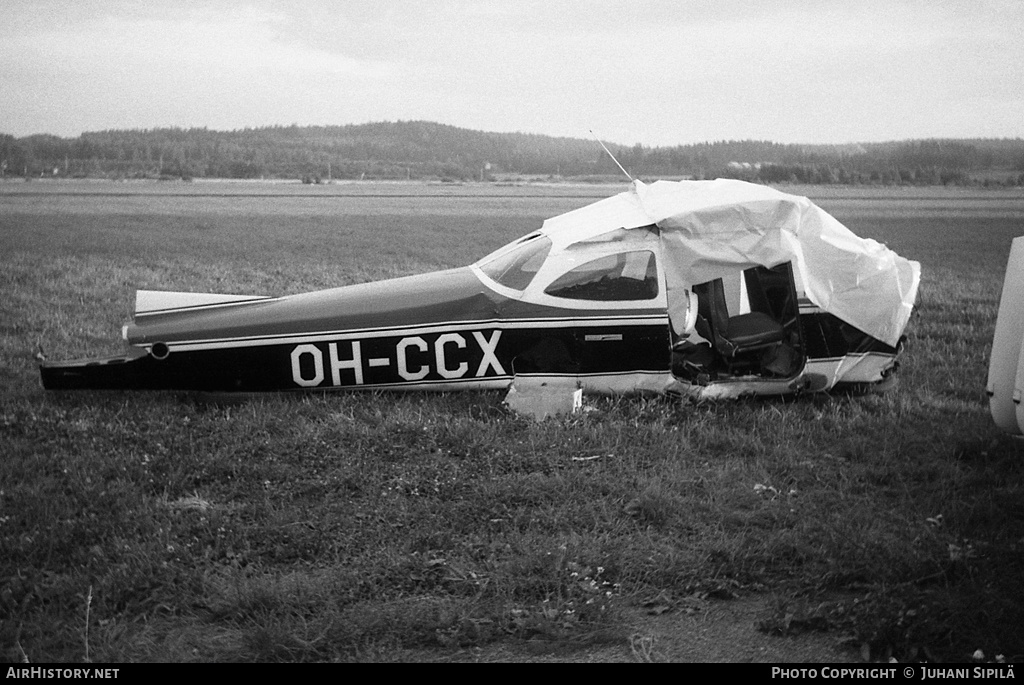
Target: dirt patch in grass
697,631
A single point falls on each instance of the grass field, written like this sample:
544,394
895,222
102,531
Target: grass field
153,526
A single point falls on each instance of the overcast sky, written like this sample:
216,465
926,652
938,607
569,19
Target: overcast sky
654,72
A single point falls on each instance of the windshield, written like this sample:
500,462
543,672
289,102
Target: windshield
515,268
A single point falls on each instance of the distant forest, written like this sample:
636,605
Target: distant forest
425,150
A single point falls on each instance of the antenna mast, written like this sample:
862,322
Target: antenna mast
631,179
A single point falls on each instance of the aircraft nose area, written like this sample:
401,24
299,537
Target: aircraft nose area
453,295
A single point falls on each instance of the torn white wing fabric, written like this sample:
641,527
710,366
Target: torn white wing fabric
618,211
713,229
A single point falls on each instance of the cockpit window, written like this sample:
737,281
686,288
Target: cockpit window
623,276
517,267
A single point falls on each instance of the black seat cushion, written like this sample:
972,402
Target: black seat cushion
753,329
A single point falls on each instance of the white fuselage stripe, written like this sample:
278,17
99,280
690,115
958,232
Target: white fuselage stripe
368,333
595,382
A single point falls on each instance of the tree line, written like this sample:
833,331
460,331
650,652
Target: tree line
426,150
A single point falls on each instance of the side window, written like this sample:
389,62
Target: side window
517,267
623,276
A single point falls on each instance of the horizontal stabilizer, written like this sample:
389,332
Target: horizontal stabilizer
159,301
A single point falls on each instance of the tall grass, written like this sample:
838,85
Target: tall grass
373,526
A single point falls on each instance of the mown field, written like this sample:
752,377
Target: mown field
372,526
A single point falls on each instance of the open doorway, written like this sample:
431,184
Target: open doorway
752,332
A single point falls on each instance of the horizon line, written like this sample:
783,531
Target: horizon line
525,133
